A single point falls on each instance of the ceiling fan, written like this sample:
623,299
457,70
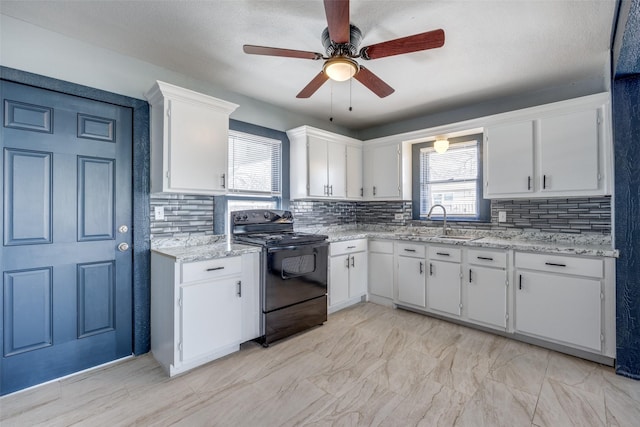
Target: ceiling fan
341,41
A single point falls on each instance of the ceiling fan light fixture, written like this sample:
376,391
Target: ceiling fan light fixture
441,145
340,68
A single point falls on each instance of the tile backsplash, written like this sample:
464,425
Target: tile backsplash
193,215
184,215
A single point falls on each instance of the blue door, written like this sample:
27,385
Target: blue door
66,217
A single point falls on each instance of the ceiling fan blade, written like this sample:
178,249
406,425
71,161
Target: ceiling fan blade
275,51
313,85
414,43
373,82
337,12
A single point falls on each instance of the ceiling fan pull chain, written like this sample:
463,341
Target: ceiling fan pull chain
331,103
350,91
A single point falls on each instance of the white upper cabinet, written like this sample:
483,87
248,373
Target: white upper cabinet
355,188
382,174
560,150
508,159
569,152
189,137
324,165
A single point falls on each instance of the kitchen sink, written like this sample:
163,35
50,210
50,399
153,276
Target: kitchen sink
463,238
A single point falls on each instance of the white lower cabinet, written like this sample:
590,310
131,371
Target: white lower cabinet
347,273
381,268
486,288
443,283
560,298
203,310
411,284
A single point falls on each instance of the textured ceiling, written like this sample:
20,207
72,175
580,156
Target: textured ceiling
492,49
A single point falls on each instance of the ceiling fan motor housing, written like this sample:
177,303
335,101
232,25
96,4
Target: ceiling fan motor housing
346,49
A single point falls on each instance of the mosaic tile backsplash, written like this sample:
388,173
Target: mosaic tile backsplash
192,215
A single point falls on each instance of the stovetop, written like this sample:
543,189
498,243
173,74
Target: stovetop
269,228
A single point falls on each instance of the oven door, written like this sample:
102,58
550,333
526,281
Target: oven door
295,274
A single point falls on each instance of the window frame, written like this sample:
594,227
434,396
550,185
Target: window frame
483,206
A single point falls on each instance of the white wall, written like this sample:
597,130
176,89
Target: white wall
26,47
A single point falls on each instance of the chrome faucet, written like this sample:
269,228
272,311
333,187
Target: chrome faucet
444,224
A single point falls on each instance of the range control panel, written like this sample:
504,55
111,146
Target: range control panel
262,216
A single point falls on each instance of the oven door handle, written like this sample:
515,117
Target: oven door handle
296,247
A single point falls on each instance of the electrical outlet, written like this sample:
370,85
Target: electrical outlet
159,213
399,216
502,216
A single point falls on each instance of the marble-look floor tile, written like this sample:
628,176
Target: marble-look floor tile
496,404
405,373
563,405
368,365
521,366
366,404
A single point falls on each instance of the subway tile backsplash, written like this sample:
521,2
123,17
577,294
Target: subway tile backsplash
191,215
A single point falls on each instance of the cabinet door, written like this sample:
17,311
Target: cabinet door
385,172
562,308
487,296
317,158
337,169
358,275
210,317
443,287
569,152
354,172
198,138
381,274
411,284
508,160
339,279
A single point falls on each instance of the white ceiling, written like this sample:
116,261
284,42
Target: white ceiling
492,49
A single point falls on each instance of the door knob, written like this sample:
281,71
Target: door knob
123,247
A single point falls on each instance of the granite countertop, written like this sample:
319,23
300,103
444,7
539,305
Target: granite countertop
560,243
200,248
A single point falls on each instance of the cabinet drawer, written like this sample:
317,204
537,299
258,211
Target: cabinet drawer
445,253
589,267
381,247
496,259
347,247
211,269
411,250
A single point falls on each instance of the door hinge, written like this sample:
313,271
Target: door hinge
460,305
601,338
169,111
506,283
180,346
506,316
602,296
168,174
179,302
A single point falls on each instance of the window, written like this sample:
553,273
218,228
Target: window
255,164
452,179
257,176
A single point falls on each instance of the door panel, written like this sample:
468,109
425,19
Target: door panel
66,179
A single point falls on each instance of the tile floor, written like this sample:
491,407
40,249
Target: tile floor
368,365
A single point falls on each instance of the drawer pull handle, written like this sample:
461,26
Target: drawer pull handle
555,264
410,250
430,269
520,282
239,288
469,275
486,258
351,247
421,267
215,268
442,253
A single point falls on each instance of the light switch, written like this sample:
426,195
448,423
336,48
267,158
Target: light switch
502,216
159,213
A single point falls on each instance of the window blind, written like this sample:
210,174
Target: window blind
450,179
255,164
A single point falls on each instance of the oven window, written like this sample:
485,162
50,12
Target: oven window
298,265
